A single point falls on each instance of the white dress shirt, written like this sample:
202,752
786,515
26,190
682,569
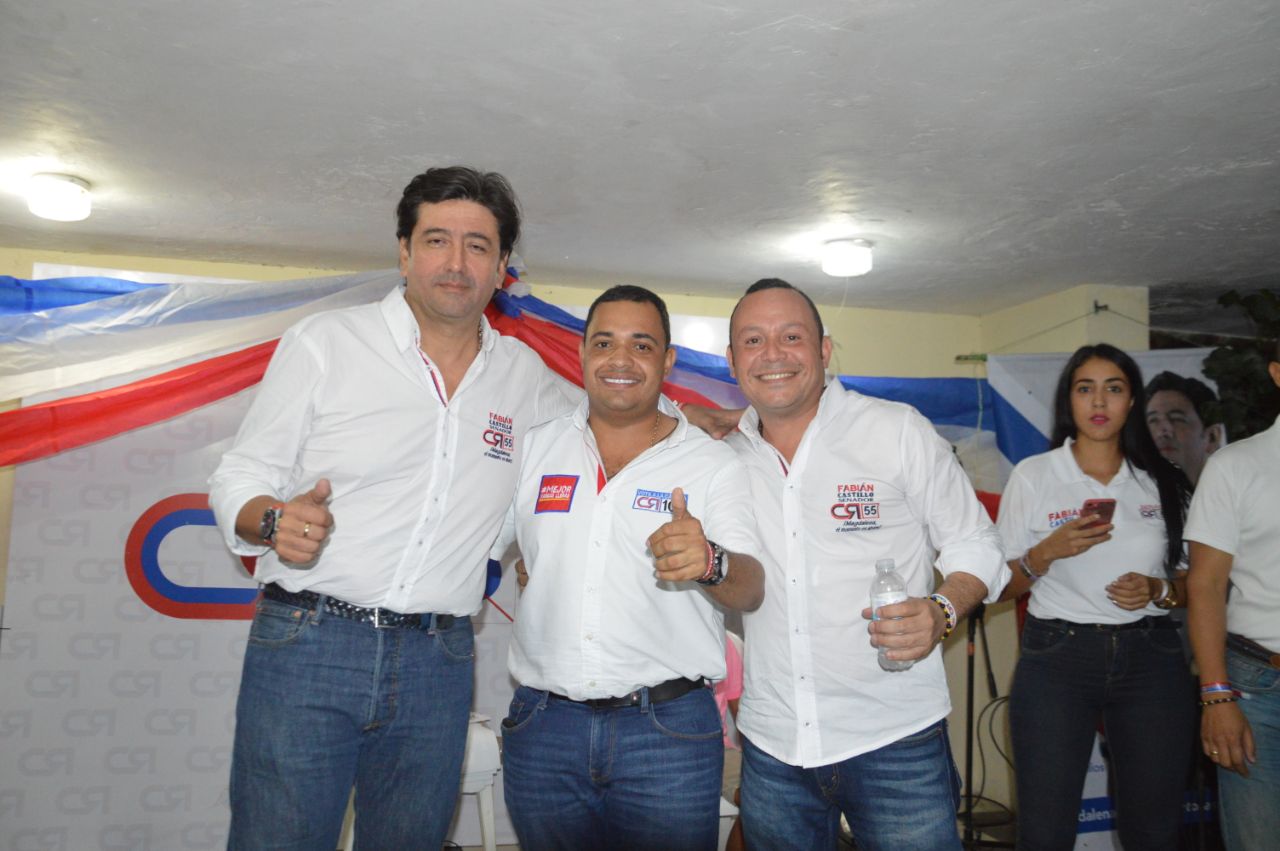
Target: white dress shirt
420,483
1047,490
594,621
1236,509
870,479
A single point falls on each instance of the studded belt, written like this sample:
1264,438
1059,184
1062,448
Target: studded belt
660,693
338,608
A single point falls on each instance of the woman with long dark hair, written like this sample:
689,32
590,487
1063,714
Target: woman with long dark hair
1098,645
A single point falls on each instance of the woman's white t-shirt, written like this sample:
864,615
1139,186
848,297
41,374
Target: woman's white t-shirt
1048,490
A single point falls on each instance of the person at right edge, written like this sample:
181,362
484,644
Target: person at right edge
839,481
1098,644
1234,534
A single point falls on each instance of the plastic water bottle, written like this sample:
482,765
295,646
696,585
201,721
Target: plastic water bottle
887,588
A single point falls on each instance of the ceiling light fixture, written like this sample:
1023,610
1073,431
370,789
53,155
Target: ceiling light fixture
59,197
846,258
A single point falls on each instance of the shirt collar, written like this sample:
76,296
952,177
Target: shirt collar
404,326
833,400
1069,469
665,405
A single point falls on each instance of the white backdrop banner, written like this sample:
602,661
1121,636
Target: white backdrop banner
117,710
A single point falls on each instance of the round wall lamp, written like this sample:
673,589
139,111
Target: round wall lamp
846,258
60,197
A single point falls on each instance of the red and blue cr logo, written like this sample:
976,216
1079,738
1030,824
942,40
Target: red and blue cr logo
142,565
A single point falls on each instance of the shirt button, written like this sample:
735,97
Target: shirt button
592,683
589,636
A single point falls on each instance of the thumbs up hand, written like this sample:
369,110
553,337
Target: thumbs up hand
679,546
305,525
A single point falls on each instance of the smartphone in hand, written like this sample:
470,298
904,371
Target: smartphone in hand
1104,508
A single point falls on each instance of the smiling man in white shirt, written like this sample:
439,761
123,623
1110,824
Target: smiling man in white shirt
370,477
634,529
840,481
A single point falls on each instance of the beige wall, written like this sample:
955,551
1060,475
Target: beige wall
868,342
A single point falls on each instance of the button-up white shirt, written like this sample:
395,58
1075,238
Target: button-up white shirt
1236,509
420,482
594,621
870,479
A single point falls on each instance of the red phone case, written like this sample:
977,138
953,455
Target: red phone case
1104,508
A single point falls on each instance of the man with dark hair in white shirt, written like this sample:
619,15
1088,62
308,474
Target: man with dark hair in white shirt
370,477
636,531
1233,527
840,481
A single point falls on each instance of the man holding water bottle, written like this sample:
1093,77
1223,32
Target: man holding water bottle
847,487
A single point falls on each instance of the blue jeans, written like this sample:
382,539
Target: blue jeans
641,777
901,797
1136,682
1250,814
327,702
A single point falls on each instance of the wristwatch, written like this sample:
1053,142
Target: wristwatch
270,520
719,565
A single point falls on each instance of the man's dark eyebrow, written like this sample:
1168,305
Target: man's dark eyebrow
642,335
467,235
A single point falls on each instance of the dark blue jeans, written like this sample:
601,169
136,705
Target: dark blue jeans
1069,678
327,702
643,777
1250,813
901,797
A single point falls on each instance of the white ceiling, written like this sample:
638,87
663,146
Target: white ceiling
994,150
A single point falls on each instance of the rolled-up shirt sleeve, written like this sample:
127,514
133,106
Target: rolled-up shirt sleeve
262,458
942,496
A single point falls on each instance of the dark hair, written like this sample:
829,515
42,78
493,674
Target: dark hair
460,183
776,284
639,295
1275,351
1136,444
1201,397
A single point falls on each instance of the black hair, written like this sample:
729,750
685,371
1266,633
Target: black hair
460,183
639,295
1136,444
776,284
1199,394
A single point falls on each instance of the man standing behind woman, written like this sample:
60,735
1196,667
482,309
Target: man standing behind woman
1098,644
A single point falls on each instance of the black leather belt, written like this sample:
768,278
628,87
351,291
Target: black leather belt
1252,649
660,693
332,606
1146,622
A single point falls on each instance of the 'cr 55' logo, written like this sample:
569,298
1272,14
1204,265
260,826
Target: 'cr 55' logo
498,440
856,511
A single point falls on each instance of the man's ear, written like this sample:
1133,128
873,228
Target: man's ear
1214,437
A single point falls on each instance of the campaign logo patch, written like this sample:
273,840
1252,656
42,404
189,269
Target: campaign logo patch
555,493
1150,511
499,437
1066,515
659,501
856,507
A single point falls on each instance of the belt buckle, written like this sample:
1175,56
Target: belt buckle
377,624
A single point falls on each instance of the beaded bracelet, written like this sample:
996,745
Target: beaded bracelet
1232,699
948,614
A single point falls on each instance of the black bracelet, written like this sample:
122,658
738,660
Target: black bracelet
1216,700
